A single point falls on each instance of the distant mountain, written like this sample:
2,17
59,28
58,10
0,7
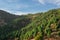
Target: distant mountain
6,16
10,23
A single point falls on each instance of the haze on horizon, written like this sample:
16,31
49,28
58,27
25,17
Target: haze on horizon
20,7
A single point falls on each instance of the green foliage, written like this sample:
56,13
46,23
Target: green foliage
32,26
42,24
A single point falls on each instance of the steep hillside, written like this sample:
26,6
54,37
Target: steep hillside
10,23
46,26
39,26
7,17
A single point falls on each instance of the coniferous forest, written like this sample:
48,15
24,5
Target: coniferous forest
38,26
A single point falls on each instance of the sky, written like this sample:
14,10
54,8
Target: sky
21,7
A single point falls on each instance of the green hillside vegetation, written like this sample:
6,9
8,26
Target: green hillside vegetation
43,26
39,26
10,24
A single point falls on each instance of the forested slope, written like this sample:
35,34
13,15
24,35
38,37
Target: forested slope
45,26
39,26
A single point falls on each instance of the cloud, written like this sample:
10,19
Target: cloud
13,5
15,12
41,1
55,2
20,13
